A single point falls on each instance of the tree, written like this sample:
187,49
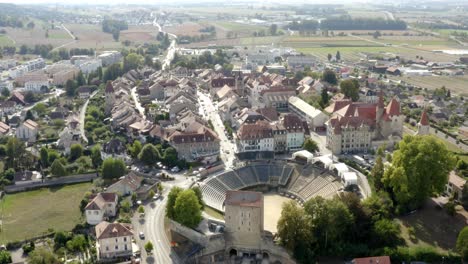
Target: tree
96,158
29,115
187,209
29,97
330,221
5,92
149,247
5,257
324,98
134,149
386,233
132,61
80,80
376,34
273,29
141,209
113,168
148,154
170,156
338,56
23,50
171,199
329,57
420,167
40,109
199,195
350,89
151,194
310,145
70,87
377,173
76,150
57,168
31,25
329,76
294,229
43,255
462,243
15,151
44,154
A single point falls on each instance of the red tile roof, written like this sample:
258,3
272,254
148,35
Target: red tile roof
111,230
372,260
109,87
260,129
424,119
393,108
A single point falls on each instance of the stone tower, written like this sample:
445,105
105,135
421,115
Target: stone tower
423,125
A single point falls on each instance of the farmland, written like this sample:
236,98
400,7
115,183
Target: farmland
456,84
5,41
33,213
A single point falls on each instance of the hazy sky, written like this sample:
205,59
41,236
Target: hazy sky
155,2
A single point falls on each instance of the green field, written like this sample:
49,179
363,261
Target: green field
347,53
457,84
5,41
59,35
30,214
234,26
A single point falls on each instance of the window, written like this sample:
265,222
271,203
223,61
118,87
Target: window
125,239
107,248
116,247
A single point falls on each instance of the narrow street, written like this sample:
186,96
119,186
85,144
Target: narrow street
136,100
209,112
83,115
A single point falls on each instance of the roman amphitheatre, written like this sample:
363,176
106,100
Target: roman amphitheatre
280,181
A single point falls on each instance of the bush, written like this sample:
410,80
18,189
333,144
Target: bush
426,254
450,208
13,245
28,247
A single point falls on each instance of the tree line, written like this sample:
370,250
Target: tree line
114,27
348,23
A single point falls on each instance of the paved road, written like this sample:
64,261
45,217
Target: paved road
136,100
56,94
152,225
209,112
172,47
83,115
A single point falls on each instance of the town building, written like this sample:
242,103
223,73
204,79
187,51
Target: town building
110,57
423,124
101,206
295,132
454,186
28,131
70,135
359,127
255,137
315,118
113,240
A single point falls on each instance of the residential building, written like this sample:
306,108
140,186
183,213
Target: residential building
89,66
27,177
100,207
70,135
454,186
37,83
28,131
315,118
4,129
114,148
195,142
84,92
463,131
295,132
110,57
278,97
255,137
7,107
359,127
127,184
113,240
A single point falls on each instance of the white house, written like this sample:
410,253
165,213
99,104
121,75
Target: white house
101,206
35,82
127,184
27,131
295,132
113,240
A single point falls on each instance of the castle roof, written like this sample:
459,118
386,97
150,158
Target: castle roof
424,119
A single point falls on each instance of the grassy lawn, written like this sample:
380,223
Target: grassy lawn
214,213
431,227
33,213
59,35
5,41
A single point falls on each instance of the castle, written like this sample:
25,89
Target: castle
359,127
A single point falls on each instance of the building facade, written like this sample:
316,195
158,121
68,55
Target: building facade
113,240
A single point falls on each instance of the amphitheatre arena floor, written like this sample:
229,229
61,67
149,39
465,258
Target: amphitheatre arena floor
273,203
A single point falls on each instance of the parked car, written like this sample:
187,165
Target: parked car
141,235
175,169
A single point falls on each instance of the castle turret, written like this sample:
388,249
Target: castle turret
423,125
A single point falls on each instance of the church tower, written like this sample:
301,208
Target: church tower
423,125
110,97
